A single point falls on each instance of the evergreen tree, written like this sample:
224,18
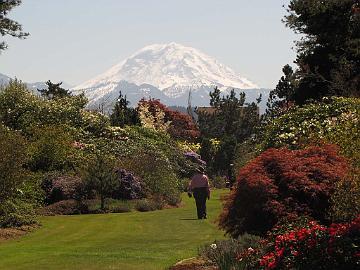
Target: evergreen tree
123,115
230,120
328,55
100,176
54,91
8,26
282,97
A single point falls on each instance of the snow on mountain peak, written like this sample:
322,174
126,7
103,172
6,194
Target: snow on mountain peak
169,67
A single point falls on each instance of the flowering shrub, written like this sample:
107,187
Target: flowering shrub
282,183
186,146
225,253
336,121
314,247
65,187
129,186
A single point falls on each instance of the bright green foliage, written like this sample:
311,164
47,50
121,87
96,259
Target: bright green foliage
13,157
8,26
328,56
51,149
335,120
19,189
21,110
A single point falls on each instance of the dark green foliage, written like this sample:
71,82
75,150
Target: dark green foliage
99,175
230,120
328,56
54,91
8,26
282,97
123,115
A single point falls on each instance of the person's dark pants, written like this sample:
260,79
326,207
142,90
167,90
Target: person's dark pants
200,195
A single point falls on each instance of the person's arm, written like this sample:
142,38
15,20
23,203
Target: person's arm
208,187
189,189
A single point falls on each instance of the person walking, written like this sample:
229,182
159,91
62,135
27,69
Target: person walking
199,187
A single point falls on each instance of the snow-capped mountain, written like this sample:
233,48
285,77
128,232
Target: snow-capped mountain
164,71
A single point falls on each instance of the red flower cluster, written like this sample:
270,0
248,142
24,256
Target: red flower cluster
315,245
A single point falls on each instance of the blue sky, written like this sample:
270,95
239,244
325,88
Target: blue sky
75,40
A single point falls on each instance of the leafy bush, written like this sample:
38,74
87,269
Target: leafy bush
283,183
13,157
219,181
19,191
22,110
225,253
345,202
157,174
129,186
67,207
120,207
16,213
51,149
314,247
146,205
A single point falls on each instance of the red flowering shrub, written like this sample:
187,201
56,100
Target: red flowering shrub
314,247
182,126
282,183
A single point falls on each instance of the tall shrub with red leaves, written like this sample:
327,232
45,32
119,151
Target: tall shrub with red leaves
283,183
182,126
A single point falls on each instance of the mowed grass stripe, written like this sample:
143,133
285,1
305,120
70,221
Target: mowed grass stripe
152,240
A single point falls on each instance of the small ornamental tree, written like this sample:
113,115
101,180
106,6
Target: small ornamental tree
154,114
283,183
100,176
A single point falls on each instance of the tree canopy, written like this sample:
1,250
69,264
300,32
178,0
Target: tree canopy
8,26
328,55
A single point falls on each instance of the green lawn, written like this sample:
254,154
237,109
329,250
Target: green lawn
152,240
